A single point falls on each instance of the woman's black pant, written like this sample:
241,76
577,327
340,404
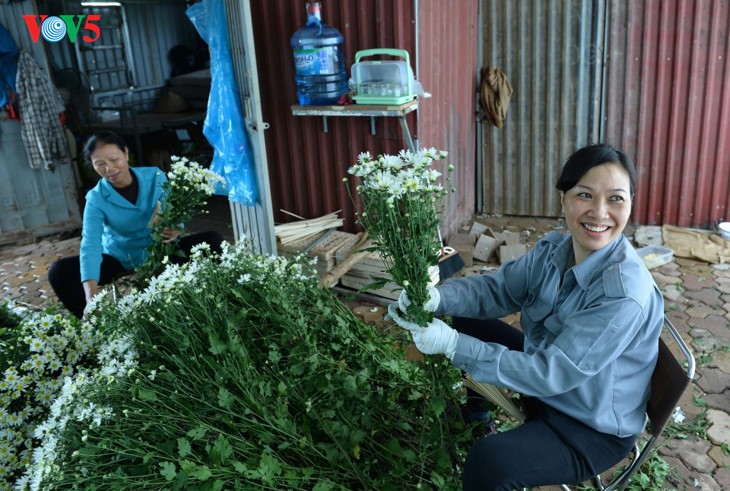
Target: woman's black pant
549,448
64,275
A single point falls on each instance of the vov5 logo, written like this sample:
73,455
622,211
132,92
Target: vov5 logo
54,28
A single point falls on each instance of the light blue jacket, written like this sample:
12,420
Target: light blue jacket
590,345
112,225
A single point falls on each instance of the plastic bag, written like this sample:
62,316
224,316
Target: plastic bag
8,64
224,125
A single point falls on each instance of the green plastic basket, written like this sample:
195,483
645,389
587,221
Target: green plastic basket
390,91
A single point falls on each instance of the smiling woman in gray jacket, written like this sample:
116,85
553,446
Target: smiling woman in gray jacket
590,319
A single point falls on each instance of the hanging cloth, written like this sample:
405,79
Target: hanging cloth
495,95
40,105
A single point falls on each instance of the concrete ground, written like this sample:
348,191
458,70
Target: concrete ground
697,297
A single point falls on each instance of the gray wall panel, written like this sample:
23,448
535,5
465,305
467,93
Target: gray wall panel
552,54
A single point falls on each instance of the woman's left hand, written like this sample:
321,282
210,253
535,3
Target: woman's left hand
436,338
169,234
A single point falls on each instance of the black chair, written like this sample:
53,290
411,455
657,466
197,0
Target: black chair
668,383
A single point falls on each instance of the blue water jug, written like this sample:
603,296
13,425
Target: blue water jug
319,61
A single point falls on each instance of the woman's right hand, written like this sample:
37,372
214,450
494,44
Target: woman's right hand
434,299
169,234
91,288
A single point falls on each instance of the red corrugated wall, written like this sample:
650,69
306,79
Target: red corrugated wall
668,105
306,165
447,45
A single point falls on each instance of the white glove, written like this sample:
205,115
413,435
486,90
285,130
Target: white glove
433,339
434,298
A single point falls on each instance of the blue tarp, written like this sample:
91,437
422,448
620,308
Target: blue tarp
8,64
224,124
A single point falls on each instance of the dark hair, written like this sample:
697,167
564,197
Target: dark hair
102,138
589,157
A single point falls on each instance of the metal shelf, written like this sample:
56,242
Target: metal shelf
362,110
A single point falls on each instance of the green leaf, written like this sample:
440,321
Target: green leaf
221,450
240,467
350,383
323,486
217,346
197,433
147,394
168,470
188,466
438,405
269,467
415,395
201,473
183,447
281,388
225,398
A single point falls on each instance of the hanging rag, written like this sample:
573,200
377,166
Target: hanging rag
495,95
40,105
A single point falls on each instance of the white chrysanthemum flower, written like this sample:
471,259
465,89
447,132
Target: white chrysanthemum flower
364,157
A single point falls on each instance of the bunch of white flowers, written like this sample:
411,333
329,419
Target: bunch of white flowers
185,194
402,201
189,175
48,348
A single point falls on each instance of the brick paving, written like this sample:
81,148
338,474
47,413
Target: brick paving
697,297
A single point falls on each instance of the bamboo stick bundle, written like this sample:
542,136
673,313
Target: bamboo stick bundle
495,395
291,232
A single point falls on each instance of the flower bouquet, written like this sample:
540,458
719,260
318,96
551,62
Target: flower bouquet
402,202
185,192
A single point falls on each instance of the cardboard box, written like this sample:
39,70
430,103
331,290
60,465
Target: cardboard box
511,238
510,252
478,229
464,245
485,247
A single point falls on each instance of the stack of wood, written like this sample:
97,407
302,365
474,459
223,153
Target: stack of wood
303,230
315,238
371,265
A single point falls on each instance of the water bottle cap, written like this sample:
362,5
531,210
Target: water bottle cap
314,9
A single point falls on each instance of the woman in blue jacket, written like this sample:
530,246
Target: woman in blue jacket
590,319
117,224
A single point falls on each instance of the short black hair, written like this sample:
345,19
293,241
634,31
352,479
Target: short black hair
589,157
102,138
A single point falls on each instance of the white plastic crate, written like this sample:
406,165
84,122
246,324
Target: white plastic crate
383,82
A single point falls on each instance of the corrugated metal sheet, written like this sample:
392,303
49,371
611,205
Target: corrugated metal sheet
551,53
151,38
447,57
306,165
33,202
668,105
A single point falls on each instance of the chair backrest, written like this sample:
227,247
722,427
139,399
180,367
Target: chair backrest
669,381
